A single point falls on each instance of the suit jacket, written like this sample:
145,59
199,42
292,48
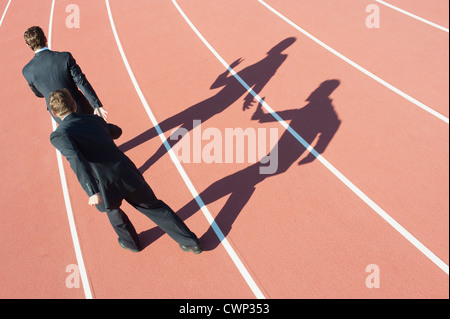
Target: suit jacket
86,141
51,70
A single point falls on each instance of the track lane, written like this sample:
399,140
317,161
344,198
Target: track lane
437,13
404,52
4,5
162,270
318,264
409,14
35,234
222,16
315,151
415,173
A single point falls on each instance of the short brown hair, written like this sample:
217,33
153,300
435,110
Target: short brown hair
35,38
61,102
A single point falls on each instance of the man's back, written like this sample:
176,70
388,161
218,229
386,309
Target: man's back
52,70
92,137
87,143
108,176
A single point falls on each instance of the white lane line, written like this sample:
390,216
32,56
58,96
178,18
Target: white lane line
244,272
73,229
412,15
4,12
399,228
50,26
358,67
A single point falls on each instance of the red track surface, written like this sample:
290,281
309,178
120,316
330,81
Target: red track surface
301,233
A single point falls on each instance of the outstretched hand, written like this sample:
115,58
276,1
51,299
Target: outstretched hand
95,199
236,63
101,112
308,159
247,104
258,112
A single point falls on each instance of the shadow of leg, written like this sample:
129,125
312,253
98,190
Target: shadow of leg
149,236
225,219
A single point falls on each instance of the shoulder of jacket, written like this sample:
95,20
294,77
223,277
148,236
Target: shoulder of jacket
66,54
61,128
60,54
92,117
27,66
57,133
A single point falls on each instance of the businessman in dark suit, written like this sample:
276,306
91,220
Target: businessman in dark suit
108,176
51,70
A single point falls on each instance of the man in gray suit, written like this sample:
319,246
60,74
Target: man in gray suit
51,70
108,176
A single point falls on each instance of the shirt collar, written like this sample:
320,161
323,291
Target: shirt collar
41,49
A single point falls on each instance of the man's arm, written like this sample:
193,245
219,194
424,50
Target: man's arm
324,139
32,87
262,117
114,131
82,82
35,91
77,161
223,79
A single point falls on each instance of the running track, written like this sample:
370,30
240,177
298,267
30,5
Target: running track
377,195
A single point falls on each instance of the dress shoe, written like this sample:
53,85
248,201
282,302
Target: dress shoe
134,250
197,249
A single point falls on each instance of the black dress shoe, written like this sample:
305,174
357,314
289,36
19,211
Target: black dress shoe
134,250
197,249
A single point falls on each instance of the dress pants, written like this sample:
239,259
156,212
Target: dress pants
145,201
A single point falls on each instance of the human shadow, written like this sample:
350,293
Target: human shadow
315,121
256,76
